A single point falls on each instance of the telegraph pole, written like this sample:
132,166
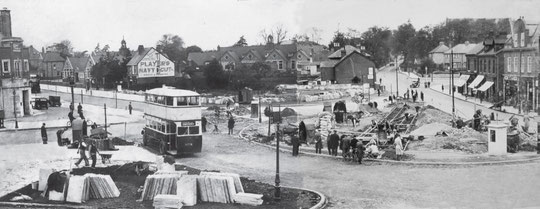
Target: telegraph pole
397,82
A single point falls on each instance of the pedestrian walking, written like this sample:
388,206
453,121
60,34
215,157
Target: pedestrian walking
295,145
375,105
71,106
398,146
394,96
442,87
70,116
378,92
380,80
390,99
428,84
318,143
93,152
130,108
82,153
422,96
204,122
231,125
329,143
334,138
43,134
79,108
84,127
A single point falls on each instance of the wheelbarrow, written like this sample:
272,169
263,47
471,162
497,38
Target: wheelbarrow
105,158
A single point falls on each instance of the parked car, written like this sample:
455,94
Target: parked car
40,103
54,101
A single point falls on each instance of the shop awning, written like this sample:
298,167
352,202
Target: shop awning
462,80
486,86
459,82
476,81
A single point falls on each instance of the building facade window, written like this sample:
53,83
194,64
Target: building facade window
509,64
280,65
26,66
523,64
516,64
6,68
529,64
293,64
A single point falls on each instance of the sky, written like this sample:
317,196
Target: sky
209,23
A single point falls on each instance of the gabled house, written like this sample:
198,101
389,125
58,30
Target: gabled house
459,52
53,64
437,54
349,65
148,66
78,68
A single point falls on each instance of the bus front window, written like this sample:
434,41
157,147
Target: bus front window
181,101
182,131
194,130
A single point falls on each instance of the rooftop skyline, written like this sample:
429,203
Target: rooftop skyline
210,23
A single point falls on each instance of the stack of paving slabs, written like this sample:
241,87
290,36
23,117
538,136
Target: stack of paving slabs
218,187
78,189
248,199
162,201
186,189
162,182
235,176
102,186
96,186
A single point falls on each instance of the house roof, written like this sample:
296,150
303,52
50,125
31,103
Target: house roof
139,56
201,57
348,49
53,57
439,49
78,62
233,55
476,49
461,48
34,54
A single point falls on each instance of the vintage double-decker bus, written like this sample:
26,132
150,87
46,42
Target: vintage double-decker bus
173,121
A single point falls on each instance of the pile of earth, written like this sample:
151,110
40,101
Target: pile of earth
128,182
121,142
430,114
465,139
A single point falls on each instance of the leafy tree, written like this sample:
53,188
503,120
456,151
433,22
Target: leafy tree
64,47
173,47
376,41
401,43
215,75
110,68
241,42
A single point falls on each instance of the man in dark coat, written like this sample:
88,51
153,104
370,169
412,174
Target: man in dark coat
70,116
59,136
204,122
231,125
422,96
334,141
130,108
84,127
295,145
44,134
360,152
329,143
318,143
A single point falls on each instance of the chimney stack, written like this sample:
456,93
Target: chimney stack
343,53
140,49
5,22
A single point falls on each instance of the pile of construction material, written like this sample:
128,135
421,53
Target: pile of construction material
162,182
174,189
326,122
95,186
167,201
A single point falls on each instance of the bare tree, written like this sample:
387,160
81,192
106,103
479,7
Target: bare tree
315,34
278,33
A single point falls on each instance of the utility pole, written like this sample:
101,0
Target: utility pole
259,109
105,110
452,89
519,84
397,82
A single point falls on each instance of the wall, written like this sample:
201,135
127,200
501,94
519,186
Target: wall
357,63
6,95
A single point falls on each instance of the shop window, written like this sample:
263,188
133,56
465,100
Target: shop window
529,64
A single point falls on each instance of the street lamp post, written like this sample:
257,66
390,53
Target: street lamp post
72,85
15,108
452,88
277,187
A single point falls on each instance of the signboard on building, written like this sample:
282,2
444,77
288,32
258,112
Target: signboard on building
155,65
510,77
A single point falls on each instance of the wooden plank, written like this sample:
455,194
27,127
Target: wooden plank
44,174
186,188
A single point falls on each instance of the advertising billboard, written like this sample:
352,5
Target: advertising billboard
155,65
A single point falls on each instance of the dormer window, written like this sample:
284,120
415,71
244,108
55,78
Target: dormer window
226,57
249,56
274,55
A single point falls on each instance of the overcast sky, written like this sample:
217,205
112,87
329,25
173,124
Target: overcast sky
208,23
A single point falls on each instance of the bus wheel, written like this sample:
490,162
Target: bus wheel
162,148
